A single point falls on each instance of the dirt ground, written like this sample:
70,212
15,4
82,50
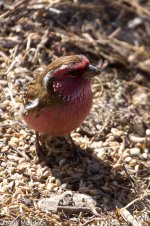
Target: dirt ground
110,183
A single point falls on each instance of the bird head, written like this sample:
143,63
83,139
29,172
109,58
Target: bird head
69,75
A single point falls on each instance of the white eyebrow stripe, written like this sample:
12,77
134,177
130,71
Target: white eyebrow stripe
64,66
46,78
32,104
49,75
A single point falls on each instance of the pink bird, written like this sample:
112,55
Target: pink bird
58,100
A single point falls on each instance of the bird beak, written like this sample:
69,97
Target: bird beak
91,71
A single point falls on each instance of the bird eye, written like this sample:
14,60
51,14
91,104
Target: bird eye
73,73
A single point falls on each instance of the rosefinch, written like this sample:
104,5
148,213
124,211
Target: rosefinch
58,100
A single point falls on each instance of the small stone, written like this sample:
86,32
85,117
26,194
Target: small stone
97,144
55,189
6,103
41,186
4,149
3,164
52,180
110,138
17,105
3,82
146,150
144,156
148,132
125,154
14,140
135,152
5,181
133,162
49,186
58,182
128,159
17,135
134,23
12,144
117,166
100,152
136,168
116,132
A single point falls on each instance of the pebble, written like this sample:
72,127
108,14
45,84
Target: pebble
3,82
12,144
97,144
14,140
55,189
22,132
117,166
50,186
111,144
110,138
58,182
13,157
128,159
17,105
5,181
6,103
126,153
5,149
133,162
135,152
136,168
148,132
52,179
134,23
41,185
144,156
17,135
98,127
3,164
116,132
100,152
62,162
146,150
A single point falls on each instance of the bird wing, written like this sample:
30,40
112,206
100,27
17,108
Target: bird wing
36,97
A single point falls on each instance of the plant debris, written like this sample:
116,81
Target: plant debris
110,183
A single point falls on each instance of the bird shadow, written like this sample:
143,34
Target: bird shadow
88,174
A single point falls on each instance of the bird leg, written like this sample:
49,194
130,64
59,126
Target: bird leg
74,148
39,148
72,144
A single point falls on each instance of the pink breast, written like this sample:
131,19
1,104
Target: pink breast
62,119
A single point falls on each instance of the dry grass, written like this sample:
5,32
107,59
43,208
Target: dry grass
114,140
